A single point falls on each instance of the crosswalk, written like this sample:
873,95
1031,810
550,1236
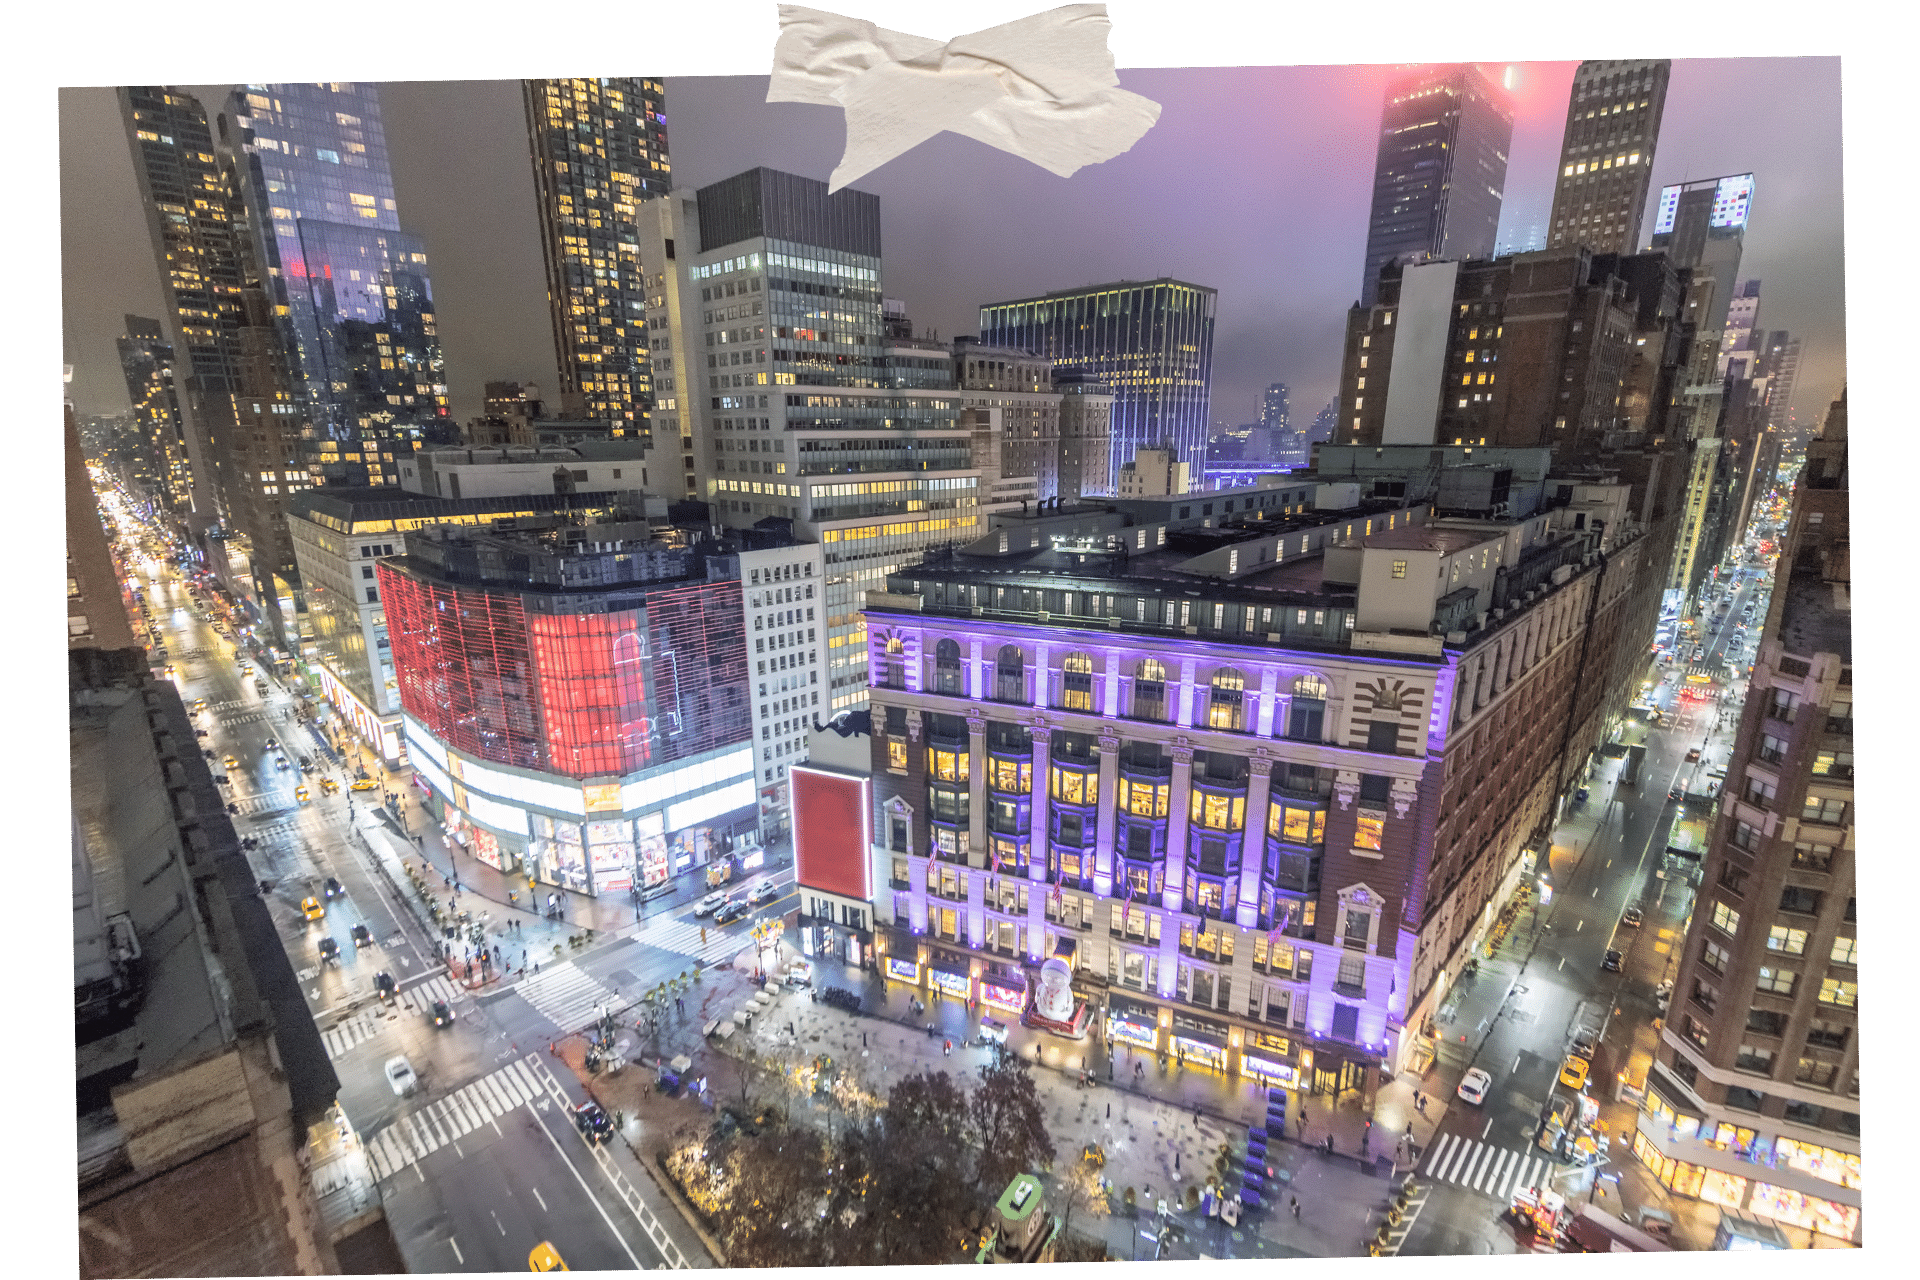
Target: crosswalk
294,822
363,1026
681,935
564,995
413,1137
245,718
1479,1166
277,803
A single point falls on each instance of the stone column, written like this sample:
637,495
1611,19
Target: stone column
1262,723
1179,796
1037,840
1183,695
976,790
1253,844
1109,705
1108,814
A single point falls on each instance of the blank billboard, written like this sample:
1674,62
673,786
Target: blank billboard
831,833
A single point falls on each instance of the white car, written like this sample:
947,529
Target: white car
400,1076
1474,1085
709,904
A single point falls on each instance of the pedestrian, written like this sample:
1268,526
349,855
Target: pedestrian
1296,1207
863,1039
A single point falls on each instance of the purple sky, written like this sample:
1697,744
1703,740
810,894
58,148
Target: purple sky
1255,181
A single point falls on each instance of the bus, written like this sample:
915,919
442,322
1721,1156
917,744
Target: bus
1630,772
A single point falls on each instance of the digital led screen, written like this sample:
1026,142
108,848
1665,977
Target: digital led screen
831,833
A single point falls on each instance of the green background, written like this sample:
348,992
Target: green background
120,43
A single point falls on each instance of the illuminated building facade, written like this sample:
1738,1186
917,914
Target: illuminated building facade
599,150
1263,785
348,282
1148,342
784,588
146,358
778,339
1440,170
577,696
1753,1099
1606,155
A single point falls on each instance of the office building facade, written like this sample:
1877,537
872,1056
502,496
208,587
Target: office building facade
1150,342
146,358
1753,1099
1440,170
1240,789
348,283
1606,155
578,698
783,585
599,149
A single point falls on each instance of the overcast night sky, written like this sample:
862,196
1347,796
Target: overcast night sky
1255,181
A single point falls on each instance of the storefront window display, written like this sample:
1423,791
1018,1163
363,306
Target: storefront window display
1129,1024
903,970
1191,1050
957,985
1815,1214
1277,1073
1824,1163
1008,999
1721,1188
483,845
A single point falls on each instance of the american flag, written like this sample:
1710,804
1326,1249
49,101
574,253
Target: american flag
1128,877
1283,914
993,851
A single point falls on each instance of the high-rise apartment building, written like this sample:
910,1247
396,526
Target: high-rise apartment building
1742,340
348,283
246,420
1276,407
1780,360
1753,1100
146,358
1150,341
1606,155
599,150
1440,169
775,322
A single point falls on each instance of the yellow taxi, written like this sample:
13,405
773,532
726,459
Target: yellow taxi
301,793
1573,1072
310,908
232,763
545,1258
199,704
363,784
328,786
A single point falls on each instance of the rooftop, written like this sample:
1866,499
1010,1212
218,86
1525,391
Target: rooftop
1816,616
1429,538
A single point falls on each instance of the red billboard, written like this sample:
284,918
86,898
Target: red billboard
831,832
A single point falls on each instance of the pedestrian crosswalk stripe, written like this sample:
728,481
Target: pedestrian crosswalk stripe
682,936
415,1136
1482,1167
564,995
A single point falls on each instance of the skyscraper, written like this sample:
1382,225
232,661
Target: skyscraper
349,285
245,419
1440,169
1606,156
599,149
1150,341
1753,1099
1275,408
146,358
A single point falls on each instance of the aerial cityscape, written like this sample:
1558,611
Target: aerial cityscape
632,720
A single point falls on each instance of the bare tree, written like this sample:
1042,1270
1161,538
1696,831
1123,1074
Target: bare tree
1009,1124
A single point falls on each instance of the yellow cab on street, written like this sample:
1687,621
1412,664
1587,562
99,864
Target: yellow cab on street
301,793
545,1258
362,784
310,908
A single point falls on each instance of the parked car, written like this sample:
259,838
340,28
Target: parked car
1573,1072
1693,755
1585,1043
400,1076
1632,917
1611,963
709,904
1473,1086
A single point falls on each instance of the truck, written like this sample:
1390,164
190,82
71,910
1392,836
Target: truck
1630,772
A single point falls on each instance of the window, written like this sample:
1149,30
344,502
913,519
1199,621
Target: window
1368,830
1759,793
1383,736
1782,704
1744,1100
1812,857
1824,810
1828,1035
1224,709
1684,1070
1696,1032
1301,826
1841,994
1816,1072
1150,691
1845,951
1352,979
1010,675
1715,956
1733,879
1307,709
1754,1058
1777,981
1766,1022
896,755
1745,836
1705,994
1772,749
1076,682
1833,764
946,667
1788,941
1725,918
1800,901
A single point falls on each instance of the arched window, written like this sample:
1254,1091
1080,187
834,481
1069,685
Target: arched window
1010,683
946,667
1225,709
1150,692
1076,682
894,669
895,646
1307,709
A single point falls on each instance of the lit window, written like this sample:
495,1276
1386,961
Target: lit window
1727,920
